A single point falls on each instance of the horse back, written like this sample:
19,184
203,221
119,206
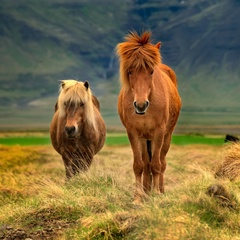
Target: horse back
169,71
96,102
54,130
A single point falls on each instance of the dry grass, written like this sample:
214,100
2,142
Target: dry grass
35,202
230,166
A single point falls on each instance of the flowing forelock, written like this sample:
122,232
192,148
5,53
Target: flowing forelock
137,52
76,92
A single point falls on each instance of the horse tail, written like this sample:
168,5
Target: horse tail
149,149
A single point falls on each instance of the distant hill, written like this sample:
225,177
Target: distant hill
45,41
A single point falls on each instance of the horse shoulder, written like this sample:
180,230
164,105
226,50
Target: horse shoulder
169,89
174,101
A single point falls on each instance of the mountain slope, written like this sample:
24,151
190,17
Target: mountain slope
45,41
211,55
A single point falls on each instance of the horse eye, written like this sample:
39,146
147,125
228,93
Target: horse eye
151,73
129,73
81,104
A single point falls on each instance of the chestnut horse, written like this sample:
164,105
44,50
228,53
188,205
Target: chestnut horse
77,129
148,105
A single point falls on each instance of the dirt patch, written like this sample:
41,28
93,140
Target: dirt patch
49,230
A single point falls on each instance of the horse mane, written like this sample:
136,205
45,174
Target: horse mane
137,52
76,92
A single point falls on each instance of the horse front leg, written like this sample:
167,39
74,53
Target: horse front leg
156,166
161,178
137,166
68,167
147,174
81,162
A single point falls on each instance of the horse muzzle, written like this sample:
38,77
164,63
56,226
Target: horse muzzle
71,131
140,108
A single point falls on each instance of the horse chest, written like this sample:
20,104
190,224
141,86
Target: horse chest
144,126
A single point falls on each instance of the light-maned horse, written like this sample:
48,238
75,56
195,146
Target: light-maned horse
77,129
148,105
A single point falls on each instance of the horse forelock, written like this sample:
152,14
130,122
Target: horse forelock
137,53
75,92
143,39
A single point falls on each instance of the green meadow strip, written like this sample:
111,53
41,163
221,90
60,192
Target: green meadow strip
117,140
176,139
25,141
196,139
113,140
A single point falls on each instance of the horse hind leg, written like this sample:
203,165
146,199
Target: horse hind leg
147,174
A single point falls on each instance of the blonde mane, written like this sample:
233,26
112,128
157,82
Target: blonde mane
76,92
137,52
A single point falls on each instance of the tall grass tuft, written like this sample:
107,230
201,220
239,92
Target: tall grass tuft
229,167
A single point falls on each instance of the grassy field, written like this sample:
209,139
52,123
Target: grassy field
37,203
26,139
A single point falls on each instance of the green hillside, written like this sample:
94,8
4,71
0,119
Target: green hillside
45,41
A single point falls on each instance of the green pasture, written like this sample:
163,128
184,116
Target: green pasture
112,139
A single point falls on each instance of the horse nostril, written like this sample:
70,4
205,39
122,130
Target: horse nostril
70,130
135,104
146,103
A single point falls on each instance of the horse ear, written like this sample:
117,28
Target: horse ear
62,83
86,84
158,45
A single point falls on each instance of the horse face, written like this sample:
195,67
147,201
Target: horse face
74,118
140,83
